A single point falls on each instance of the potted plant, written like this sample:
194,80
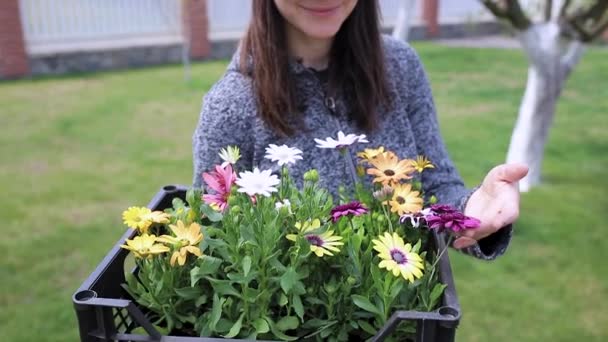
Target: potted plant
258,257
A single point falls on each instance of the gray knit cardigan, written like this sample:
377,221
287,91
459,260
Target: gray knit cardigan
229,117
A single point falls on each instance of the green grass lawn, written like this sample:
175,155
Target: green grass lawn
77,150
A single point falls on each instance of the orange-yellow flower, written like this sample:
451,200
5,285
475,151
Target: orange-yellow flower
405,200
145,246
388,169
370,153
185,241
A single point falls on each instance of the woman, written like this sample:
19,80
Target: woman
309,68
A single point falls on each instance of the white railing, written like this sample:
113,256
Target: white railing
228,19
52,26
71,25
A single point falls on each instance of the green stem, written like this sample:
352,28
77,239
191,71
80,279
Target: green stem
350,165
447,245
388,218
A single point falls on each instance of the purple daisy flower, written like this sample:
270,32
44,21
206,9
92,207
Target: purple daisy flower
452,221
352,208
443,209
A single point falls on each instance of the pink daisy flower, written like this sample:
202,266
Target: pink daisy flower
220,181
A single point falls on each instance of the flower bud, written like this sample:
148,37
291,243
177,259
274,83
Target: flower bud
330,288
235,210
351,280
433,200
232,200
311,175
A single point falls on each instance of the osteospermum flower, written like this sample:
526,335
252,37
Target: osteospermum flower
230,155
320,244
370,153
342,142
388,169
384,193
453,221
220,181
185,241
137,218
308,225
398,257
145,246
354,208
157,217
422,163
405,200
257,183
284,204
415,218
283,154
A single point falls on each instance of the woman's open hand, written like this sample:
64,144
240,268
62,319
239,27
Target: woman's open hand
495,203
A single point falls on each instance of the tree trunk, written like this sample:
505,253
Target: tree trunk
404,20
551,59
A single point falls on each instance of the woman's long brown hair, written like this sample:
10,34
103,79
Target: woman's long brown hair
356,66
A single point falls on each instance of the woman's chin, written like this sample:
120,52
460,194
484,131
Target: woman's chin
322,32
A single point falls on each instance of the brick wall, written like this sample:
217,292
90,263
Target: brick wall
196,28
13,58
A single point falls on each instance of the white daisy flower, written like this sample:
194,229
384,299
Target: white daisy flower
257,183
415,217
343,141
230,155
284,204
283,154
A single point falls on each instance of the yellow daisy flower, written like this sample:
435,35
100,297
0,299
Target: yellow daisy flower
320,244
422,163
158,217
398,257
137,218
185,241
388,169
405,200
370,153
145,246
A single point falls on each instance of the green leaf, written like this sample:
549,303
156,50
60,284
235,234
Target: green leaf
216,311
436,293
246,265
261,326
314,323
288,323
277,333
211,214
206,265
416,247
396,288
289,279
223,287
365,304
189,293
368,328
236,328
298,307
283,300
200,301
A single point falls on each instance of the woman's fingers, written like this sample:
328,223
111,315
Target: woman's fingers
463,242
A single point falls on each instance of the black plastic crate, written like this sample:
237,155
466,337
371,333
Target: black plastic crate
105,312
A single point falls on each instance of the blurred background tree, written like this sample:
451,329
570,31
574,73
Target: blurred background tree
554,39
